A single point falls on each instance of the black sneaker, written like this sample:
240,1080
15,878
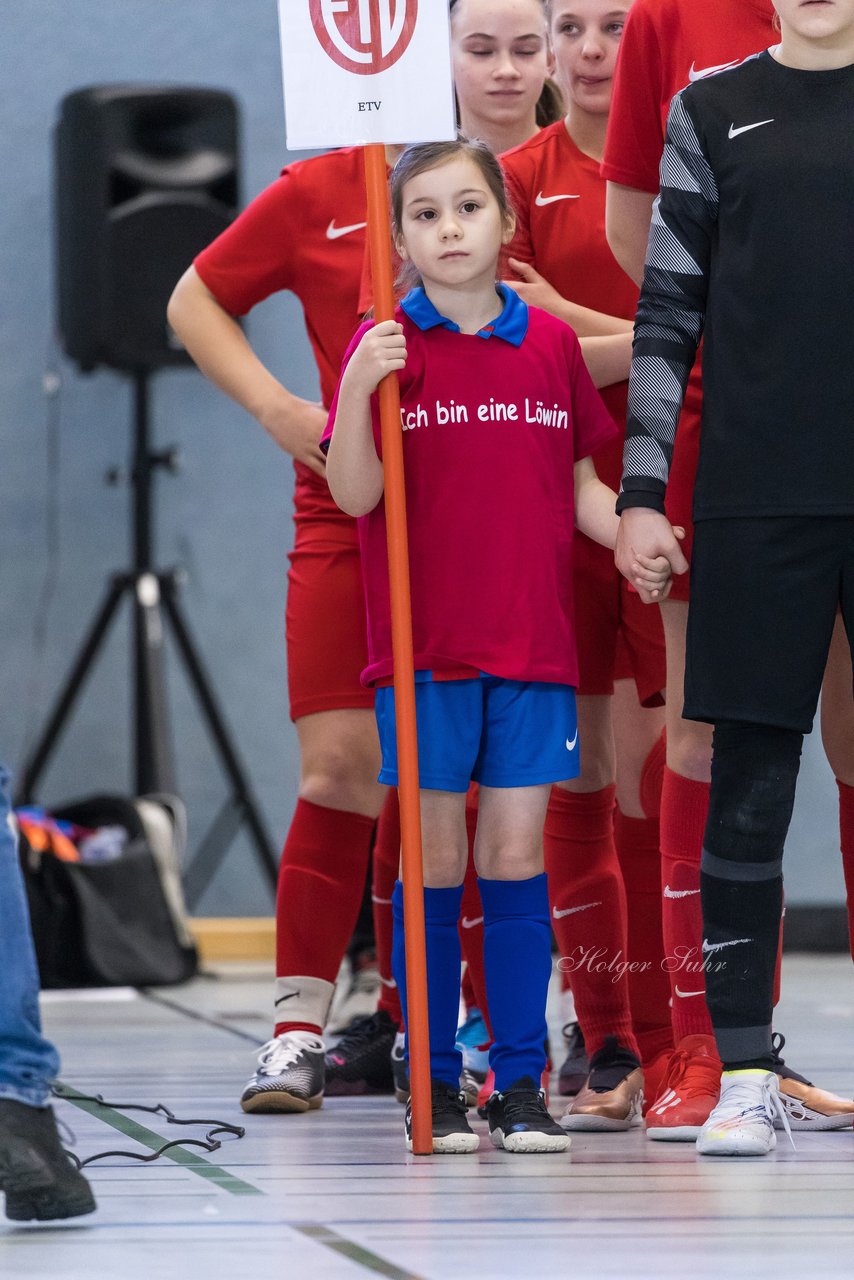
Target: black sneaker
451,1132
39,1179
575,1067
519,1120
360,1062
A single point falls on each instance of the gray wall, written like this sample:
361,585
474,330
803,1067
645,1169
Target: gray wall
227,516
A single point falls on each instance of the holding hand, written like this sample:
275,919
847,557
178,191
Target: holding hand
382,350
648,552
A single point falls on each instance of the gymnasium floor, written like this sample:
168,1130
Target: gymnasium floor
332,1194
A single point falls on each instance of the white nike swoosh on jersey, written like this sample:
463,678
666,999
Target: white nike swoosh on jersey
678,893
709,947
387,982
471,924
385,902
686,994
694,74
745,128
542,200
570,746
335,233
558,915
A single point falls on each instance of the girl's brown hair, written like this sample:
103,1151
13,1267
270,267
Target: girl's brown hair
550,106
430,155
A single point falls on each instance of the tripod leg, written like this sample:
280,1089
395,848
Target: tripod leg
44,748
155,769
243,796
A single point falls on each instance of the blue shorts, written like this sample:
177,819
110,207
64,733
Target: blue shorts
501,733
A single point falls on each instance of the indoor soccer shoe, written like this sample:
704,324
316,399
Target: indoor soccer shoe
451,1132
612,1098
575,1067
519,1121
289,1076
39,1179
807,1106
400,1075
742,1124
690,1091
360,1062
473,1044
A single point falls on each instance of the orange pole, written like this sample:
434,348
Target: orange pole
379,238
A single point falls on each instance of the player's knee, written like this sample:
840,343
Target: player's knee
689,749
499,861
340,779
754,774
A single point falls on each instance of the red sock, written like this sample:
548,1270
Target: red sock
385,872
846,843
684,806
321,880
588,904
639,853
471,919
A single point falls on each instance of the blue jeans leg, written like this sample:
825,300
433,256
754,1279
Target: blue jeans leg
28,1062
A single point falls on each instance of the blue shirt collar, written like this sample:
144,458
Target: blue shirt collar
511,324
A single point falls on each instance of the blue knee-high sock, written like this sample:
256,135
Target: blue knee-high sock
441,915
517,955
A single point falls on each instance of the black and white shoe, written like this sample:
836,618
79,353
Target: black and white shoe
289,1076
451,1132
360,1062
519,1120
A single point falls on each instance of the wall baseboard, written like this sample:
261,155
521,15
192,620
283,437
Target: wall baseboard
235,938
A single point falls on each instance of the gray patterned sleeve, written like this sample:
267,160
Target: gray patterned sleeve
671,309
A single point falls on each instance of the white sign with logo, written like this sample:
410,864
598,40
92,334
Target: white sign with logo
361,71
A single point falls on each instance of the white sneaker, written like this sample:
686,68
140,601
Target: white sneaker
355,997
742,1123
290,1075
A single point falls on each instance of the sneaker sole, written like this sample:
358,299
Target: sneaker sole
598,1124
270,1103
682,1133
742,1149
454,1144
815,1122
529,1143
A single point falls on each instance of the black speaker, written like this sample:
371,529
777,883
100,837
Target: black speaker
146,176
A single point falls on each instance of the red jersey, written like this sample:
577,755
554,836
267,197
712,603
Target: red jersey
493,425
304,233
666,44
558,194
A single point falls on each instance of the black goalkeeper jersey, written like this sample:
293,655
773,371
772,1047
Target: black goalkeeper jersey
751,247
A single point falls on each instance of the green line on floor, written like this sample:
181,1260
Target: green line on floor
147,1138
355,1252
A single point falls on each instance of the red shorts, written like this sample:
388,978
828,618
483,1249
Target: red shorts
325,626
618,636
683,471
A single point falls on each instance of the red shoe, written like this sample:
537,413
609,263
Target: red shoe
654,1075
690,1091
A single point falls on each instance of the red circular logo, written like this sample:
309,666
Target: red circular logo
364,36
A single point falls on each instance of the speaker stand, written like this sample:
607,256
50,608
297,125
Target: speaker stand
155,604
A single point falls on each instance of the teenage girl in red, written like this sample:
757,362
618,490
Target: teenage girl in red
667,44
559,196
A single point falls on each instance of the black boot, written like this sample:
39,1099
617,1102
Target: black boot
39,1179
